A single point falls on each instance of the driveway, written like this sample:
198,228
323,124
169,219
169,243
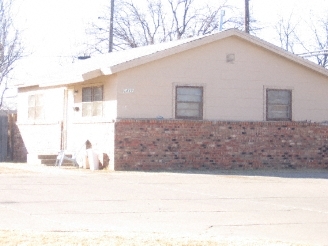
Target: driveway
285,207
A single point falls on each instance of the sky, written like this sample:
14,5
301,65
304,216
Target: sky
52,30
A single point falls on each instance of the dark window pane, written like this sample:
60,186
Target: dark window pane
189,102
189,98
278,97
188,109
92,98
279,104
278,111
189,94
87,94
98,93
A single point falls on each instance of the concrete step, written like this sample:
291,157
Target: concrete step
48,162
54,157
46,157
51,162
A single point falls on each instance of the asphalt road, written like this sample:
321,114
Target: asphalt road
258,206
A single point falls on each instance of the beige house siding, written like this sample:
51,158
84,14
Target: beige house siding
109,84
64,127
98,130
41,135
53,99
232,90
41,138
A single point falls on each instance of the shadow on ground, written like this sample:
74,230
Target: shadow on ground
278,173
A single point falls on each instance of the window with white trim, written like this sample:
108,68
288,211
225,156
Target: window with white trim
278,105
35,107
189,102
92,101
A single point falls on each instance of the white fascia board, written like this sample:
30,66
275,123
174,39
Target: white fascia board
92,74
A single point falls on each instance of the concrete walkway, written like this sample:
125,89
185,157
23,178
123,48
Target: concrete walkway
286,207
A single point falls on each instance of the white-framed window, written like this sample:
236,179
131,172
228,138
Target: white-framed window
35,106
92,101
189,102
278,105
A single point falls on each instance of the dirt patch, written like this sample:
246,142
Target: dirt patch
11,238
5,170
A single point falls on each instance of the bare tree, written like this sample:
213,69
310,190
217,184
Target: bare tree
158,21
181,16
286,30
134,28
245,21
10,47
316,47
320,32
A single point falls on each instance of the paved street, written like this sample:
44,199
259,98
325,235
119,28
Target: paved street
288,207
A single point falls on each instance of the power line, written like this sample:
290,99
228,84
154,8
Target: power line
314,53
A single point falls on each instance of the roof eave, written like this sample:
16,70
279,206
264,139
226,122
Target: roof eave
212,38
286,54
184,46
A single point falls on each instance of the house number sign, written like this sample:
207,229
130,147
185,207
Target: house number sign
128,90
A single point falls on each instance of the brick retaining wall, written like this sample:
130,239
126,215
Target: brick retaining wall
209,145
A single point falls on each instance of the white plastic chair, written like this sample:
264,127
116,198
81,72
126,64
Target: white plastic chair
61,157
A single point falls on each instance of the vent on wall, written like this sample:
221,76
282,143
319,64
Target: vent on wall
230,58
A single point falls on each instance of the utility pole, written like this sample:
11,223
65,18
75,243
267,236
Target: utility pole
110,41
247,16
221,20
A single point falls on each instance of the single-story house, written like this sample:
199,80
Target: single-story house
225,100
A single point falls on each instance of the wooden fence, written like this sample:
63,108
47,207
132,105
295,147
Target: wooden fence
7,134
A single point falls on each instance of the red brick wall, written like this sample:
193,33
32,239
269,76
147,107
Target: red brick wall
209,145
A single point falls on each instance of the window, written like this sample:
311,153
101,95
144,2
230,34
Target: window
92,101
35,107
279,105
189,102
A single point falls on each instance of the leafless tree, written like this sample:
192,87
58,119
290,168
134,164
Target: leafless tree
11,49
316,44
158,21
286,30
134,28
238,21
320,31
